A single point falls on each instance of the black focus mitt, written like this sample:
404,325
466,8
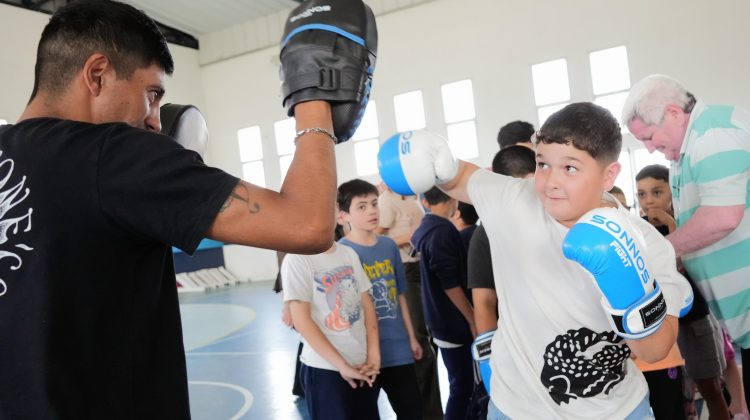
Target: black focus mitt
328,53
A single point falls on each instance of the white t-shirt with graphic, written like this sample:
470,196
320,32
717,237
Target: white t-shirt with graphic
554,354
333,283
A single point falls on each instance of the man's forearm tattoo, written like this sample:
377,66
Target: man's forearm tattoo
241,193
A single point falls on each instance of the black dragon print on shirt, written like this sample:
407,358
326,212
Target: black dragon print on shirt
583,363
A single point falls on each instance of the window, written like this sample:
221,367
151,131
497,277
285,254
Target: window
366,143
409,109
368,128
626,179
460,117
551,87
284,132
610,77
251,155
366,156
462,139
284,162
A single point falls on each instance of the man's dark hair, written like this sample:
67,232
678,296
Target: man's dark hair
129,39
351,189
468,213
585,126
435,196
659,172
515,161
514,132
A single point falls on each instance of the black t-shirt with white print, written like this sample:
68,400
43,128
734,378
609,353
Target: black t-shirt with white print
89,316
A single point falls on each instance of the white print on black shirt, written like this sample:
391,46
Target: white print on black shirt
583,364
9,198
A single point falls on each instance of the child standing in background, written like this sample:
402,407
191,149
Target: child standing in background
381,260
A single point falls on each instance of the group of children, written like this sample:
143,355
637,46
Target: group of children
554,353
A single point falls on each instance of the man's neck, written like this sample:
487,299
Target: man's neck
362,237
63,107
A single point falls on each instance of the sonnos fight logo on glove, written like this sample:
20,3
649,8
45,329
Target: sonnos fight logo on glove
309,12
624,246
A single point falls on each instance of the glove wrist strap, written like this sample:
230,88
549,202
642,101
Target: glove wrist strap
642,318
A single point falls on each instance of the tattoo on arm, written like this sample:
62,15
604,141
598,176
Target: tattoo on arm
241,193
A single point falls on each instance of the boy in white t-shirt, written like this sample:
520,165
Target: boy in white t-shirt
331,308
562,346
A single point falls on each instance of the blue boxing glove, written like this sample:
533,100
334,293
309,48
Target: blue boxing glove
481,349
608,247
413,162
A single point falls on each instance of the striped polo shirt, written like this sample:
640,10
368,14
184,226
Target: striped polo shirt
714,170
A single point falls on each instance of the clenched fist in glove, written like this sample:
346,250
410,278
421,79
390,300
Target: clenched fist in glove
328,53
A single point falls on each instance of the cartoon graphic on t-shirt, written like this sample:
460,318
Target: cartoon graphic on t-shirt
584,364
9,198
340,288
384,294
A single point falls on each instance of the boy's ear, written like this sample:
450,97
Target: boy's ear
610,175
425,204
343,216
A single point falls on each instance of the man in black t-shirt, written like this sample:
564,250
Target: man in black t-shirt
91,200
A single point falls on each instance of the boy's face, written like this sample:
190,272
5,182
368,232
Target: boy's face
570,182
653,194
363,212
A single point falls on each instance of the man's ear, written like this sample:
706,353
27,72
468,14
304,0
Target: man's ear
675,113
610,175
94,71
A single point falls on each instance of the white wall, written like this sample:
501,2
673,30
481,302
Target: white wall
493,42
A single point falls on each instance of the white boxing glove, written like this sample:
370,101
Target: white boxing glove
413,162
186,125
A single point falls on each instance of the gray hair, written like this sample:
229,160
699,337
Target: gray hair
650,96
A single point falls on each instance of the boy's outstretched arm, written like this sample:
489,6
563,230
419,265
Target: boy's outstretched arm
457,187
304,324
416,348
371,368
459,300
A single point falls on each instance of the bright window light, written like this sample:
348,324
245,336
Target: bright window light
253,173
284,132
409,109
550,82
614,104
545,111
610,71
643,158
284,162
462,138
458,101
626,178
366,157
251,144
368,128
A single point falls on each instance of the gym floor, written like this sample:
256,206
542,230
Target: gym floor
240,357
